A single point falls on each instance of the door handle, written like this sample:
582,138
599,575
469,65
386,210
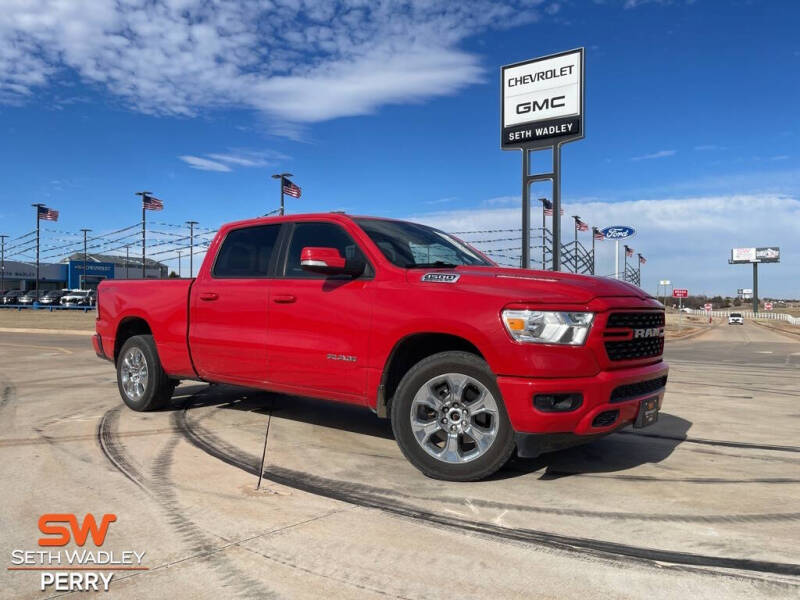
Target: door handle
208,296
284,299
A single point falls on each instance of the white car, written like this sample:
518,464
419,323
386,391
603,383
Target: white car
735,319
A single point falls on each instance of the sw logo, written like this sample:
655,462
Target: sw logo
48,526
648,333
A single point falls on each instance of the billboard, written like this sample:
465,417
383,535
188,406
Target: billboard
680,293
767,254
542,101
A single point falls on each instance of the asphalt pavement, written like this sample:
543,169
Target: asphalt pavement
703,504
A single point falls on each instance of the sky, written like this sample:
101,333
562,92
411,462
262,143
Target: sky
391,108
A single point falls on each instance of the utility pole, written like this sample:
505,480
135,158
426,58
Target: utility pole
191,225
3,263
283,176
127,259
179,264
37,206
144,235
83,281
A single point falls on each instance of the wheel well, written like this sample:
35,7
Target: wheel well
127,329
409,352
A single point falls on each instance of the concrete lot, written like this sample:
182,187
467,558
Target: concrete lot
704,504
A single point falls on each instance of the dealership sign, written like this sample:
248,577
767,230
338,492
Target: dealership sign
542,101
618,232
769,254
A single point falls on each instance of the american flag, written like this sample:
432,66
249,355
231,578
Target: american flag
581,226
47,214
291,189
642,259
628,251
548,208
598,235
152,203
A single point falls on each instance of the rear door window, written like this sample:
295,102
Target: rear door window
247,252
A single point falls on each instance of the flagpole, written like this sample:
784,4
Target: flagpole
144,235
37,206
625,270
639,273
577,218
191,225
3,263
281,177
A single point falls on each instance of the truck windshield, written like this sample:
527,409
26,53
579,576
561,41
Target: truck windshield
413,246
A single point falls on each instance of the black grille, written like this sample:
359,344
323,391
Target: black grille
647,347
632,390
636,320
633,349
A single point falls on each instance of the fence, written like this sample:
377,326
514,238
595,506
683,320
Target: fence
746,314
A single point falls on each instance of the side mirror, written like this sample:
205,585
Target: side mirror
322,260
328,261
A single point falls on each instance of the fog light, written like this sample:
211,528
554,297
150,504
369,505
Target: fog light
557,402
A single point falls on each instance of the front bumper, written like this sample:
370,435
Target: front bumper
518,393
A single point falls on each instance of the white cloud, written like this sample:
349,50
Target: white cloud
225,162
302,61
659,154
204,164
686,240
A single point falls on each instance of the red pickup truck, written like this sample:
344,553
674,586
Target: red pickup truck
470,361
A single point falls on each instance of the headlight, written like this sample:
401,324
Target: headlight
545,327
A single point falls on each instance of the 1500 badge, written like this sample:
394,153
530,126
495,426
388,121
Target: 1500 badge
441,277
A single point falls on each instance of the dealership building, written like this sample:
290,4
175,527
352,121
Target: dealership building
69,273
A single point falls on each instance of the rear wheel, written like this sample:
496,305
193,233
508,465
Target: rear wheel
142,382
449,419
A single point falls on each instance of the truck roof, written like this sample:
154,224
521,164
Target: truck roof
329,216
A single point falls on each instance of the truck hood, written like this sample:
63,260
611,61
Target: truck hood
528,285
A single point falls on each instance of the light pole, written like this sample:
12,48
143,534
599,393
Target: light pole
83,281
127,258
179,264
191,225
3,263
144,235
37,206
281,176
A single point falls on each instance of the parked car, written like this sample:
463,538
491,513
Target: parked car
735,319
30,296
51,297
12,297
470,360
77,298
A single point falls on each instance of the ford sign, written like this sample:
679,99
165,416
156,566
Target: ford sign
618,232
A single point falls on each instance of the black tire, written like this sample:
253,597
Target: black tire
158,387
439,365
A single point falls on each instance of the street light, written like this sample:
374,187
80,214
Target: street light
83,281
281,176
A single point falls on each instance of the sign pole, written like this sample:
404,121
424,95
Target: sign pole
755,288
557,207
526,209
544,240
616,259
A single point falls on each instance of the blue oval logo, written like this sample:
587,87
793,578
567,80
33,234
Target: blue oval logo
618,232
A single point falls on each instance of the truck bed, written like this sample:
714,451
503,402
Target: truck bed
164,304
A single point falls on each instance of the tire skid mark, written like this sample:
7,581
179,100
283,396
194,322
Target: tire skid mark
199,542
348,493
705,442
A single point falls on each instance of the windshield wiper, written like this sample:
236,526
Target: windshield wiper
436,264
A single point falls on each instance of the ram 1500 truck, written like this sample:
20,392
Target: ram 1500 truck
471,361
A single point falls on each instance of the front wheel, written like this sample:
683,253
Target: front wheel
142,382
449,419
